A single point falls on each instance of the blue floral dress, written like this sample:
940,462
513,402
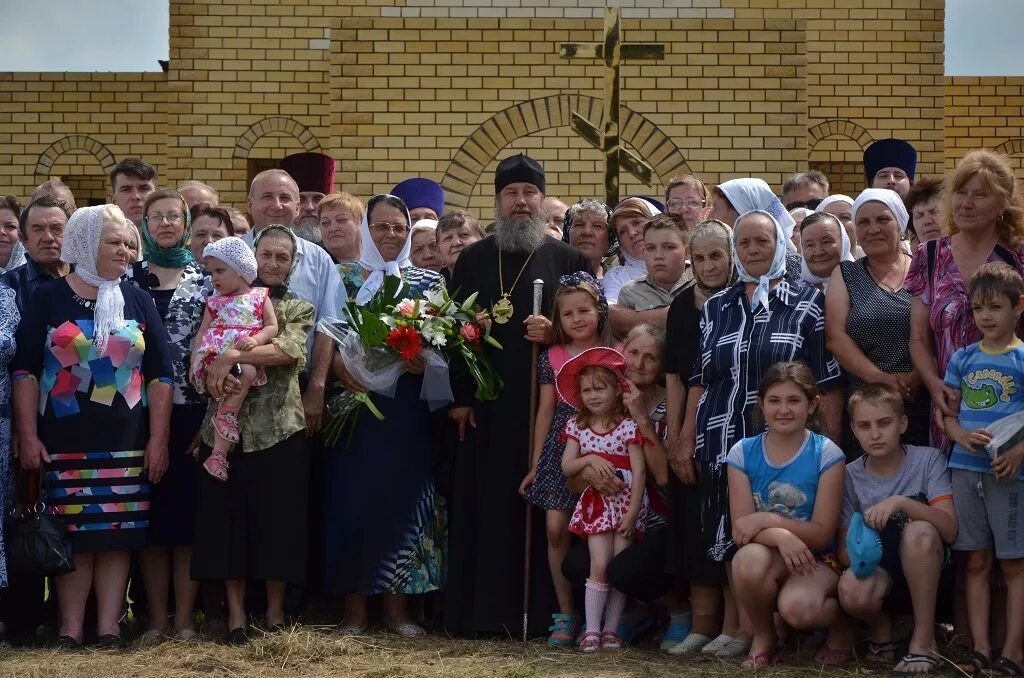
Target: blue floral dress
9,318
386,525
550,490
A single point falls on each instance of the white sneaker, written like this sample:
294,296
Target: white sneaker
735,647
691,644
713,646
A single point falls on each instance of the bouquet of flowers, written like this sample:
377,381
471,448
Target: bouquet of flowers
376,339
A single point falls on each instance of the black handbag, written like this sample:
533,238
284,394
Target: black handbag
36,541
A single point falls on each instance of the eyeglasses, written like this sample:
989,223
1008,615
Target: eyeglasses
688,204
384,227
808,204
170,217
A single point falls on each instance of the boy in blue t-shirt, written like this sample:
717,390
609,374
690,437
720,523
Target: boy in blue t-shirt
988,494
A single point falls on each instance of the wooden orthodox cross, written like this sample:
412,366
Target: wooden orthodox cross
606,140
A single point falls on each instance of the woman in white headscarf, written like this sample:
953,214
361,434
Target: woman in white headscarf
773,320
738,196
92,396
627,222
841,207
385,522
867,317
823,244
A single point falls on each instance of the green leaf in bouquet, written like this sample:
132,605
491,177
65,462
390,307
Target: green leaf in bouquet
390,292
470,301
372,329
491,341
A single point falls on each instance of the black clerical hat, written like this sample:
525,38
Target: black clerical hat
889,153
516,169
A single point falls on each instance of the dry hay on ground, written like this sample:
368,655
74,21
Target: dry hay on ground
312,653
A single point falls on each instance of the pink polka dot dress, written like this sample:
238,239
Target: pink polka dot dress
595,513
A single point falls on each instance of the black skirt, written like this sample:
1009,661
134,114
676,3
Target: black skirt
255,526
172,501
693,528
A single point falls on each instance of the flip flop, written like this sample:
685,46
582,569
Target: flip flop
1006,667
912,658
766,658
886,653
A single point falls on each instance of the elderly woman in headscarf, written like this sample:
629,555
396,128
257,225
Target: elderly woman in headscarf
587,228
711,256
385,521
737,196
92,395
255,525
763,319
823,245
627,222
867,312
171,276
841,207
12,251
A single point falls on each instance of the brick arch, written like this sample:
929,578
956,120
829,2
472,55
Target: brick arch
837,127
1011,146
75,142
535,115
275,123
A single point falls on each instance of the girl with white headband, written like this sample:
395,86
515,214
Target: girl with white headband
237,316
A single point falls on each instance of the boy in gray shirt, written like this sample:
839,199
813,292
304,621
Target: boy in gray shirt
904,492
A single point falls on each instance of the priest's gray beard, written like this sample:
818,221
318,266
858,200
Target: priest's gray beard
518,235
308,231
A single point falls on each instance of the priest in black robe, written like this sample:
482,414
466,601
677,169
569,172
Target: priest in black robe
487,524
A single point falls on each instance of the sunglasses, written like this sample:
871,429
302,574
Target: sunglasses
811,204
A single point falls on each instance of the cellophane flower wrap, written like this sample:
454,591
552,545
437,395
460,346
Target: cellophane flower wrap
375,340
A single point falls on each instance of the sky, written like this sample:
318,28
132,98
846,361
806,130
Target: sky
982,36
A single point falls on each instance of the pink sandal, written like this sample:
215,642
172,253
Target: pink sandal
591,642
225,422
766,658
217,466
611,641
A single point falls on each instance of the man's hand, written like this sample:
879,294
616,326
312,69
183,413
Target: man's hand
538,329
245,344
463,417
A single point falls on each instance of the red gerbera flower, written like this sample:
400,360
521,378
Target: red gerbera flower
405,340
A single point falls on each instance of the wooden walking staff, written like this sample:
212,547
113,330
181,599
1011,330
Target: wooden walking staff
538,293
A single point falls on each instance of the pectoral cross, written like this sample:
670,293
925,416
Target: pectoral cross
606,139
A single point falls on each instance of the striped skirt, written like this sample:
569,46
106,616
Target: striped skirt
103,498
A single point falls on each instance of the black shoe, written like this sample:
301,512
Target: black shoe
237,636
111,642
66,643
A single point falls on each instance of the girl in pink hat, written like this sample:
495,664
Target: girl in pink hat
602,436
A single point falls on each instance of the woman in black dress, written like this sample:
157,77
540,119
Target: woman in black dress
93,402
710,249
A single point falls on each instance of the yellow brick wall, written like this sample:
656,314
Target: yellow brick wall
985,112
395,88
728,100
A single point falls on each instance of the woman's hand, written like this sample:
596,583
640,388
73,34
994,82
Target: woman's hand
527,481
604,486
32,451
155,459
415,366
633,399
682,462
798,558
350,383
944,398
219,372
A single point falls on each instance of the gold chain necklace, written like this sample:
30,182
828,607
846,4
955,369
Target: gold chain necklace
502,309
